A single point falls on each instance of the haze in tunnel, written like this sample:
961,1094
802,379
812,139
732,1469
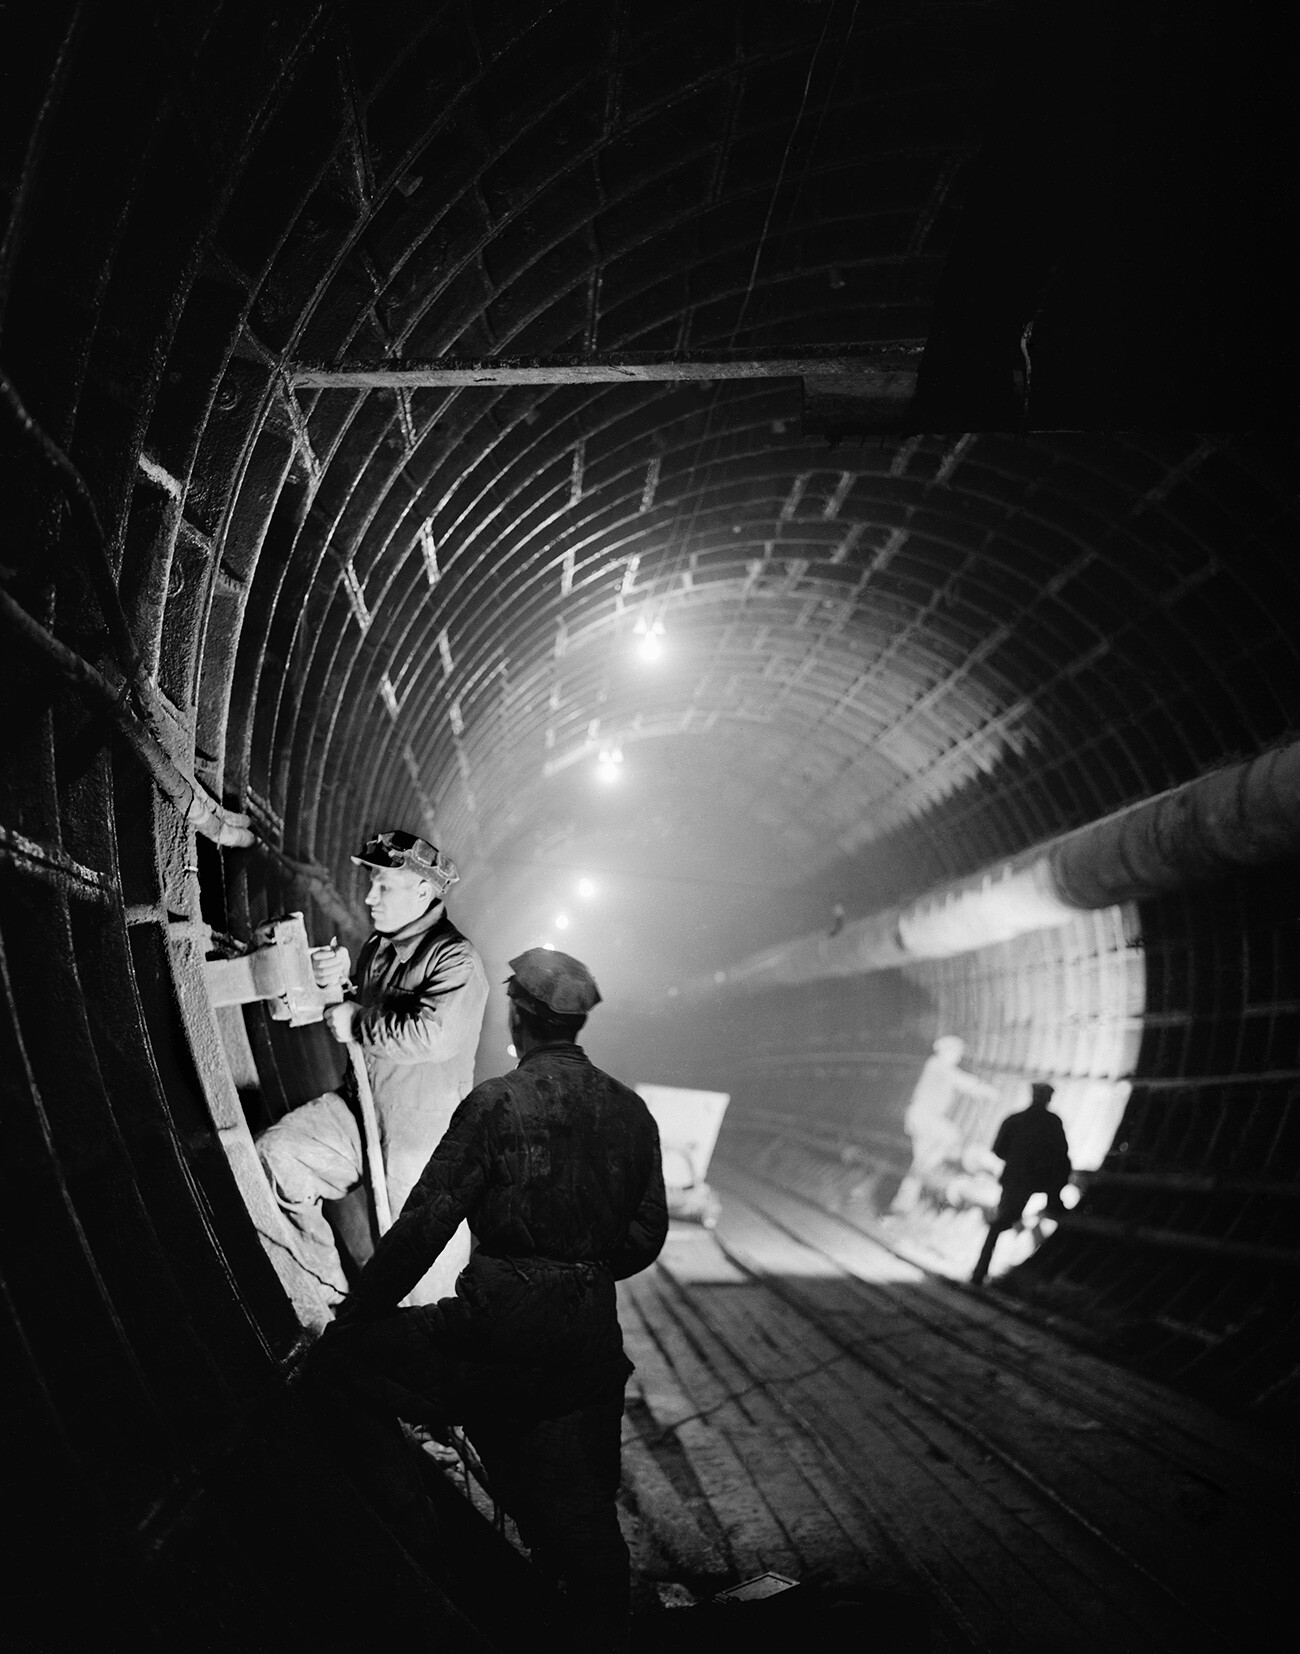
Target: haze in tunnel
916,380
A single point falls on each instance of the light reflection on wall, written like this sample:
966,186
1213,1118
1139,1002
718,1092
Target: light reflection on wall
1063,1005
821,1075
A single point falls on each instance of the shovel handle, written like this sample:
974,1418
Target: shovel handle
370,1130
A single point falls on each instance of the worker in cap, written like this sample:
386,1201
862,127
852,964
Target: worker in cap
1035,1160
556,1167
551,985
405,850
415,1012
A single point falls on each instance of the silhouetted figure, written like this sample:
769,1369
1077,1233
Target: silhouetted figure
558,1171
837,919
936,1136
1036,1161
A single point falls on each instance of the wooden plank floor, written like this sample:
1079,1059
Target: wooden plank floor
807,1402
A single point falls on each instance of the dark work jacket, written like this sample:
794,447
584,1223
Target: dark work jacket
1033,1145
557,1169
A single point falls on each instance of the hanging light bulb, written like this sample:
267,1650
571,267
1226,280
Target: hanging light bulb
586,889
651,633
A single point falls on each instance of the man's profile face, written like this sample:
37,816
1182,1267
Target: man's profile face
396,896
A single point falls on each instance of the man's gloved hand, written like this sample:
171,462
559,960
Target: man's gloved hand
339,1019
330,966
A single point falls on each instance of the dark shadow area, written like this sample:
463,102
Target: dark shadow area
855,1613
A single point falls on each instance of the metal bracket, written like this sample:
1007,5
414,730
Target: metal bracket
277,968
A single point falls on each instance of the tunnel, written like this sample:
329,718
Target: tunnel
798,499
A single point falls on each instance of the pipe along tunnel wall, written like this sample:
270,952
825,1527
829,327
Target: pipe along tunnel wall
238,603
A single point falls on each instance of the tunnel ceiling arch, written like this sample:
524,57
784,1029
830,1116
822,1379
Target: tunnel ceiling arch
421,605
1057,577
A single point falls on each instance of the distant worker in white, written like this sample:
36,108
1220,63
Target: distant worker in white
1036,1161
415,1012
931,1117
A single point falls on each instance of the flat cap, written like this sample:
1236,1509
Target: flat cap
398,849
553,981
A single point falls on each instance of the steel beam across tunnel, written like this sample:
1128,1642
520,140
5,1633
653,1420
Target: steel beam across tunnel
330,505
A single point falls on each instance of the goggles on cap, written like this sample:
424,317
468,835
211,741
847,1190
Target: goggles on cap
402,849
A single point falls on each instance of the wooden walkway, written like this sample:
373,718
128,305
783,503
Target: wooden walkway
807,1402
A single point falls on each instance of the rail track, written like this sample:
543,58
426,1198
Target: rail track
808,1402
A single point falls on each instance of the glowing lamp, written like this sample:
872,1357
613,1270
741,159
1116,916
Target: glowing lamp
650,632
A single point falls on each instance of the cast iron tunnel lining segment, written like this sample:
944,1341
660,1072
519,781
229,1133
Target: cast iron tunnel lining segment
890,662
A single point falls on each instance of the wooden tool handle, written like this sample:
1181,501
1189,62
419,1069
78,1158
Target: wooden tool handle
370,1130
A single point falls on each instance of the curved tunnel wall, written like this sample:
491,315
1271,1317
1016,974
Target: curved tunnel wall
886,663
1168,1029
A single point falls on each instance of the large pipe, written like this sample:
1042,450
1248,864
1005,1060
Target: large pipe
1245,816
